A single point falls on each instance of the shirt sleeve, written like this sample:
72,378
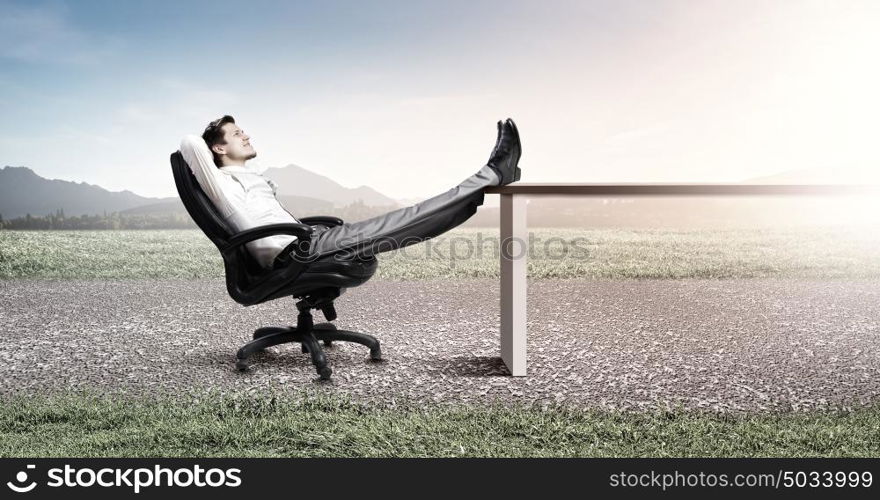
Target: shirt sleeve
201,162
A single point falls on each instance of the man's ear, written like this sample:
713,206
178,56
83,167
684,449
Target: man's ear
218,148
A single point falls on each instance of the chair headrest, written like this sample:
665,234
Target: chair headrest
197,203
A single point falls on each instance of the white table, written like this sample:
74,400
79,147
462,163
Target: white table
514,236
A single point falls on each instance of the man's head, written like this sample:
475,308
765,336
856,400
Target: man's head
229,144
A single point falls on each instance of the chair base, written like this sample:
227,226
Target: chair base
308,335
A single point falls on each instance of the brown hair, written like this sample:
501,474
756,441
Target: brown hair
213,134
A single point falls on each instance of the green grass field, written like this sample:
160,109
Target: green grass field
321,426
556,253
216,425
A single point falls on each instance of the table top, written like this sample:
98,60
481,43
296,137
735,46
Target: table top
681,189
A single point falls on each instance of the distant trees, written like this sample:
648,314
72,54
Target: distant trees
113,220
351,213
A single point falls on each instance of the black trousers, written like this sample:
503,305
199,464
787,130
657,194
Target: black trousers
399,228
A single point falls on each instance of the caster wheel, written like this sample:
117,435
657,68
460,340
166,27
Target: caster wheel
328,343
325,372
324,326
376,354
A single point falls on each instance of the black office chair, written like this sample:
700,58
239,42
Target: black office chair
316,283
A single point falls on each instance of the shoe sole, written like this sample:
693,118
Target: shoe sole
517,172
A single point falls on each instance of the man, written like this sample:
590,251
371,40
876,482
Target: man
246,199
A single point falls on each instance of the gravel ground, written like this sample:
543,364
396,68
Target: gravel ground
729,345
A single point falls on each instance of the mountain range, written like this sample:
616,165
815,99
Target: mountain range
23,192
301,191
294,180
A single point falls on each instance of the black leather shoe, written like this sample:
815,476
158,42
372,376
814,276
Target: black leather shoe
504,159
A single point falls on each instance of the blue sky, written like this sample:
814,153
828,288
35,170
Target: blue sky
403,96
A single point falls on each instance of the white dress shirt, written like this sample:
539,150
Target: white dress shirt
244,197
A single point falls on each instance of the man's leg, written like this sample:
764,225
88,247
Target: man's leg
424,220
406,226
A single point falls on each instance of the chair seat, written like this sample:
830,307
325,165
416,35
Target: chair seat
353,267
330,272
333,271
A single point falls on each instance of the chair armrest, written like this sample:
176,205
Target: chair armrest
301,231
323,220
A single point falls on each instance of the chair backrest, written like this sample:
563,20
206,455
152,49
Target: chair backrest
249,283
242,269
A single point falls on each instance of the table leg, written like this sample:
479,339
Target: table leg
514,252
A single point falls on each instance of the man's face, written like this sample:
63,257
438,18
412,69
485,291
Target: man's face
238,144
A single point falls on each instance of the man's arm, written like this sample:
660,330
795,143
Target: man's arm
201,163
227,195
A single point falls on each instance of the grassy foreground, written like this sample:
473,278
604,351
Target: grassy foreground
805,252
319,426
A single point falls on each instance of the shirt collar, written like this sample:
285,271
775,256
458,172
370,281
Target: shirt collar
236,169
